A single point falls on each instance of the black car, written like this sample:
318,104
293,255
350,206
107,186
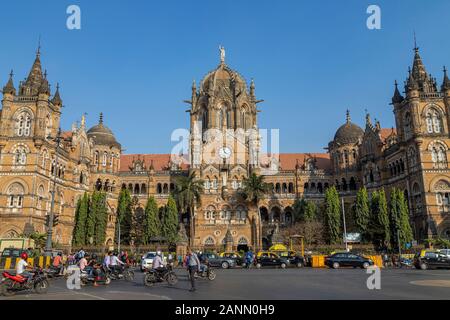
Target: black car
268,259
296,261
217,261
347,259
432,260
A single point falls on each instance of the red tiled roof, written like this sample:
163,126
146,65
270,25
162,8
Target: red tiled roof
386,132
161,161
66,134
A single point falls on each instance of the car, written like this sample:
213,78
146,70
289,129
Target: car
428,259
12,253
270,259
232,255
347,259
293,258
217,261
445,252
147,260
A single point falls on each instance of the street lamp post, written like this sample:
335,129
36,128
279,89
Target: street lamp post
48,245
345,227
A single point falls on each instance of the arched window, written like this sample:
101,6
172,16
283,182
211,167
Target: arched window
277,188
225,213
205,119
165,188
23,124
96,157
442,189
284,188
210,213
215,183
291,187
243,124
40,194
438,155
407,125
412,157
417,198
207,183
209,241
20,156
241,213
159,188
15,195
433,121
104,159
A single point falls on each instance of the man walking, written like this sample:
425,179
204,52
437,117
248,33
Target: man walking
193,264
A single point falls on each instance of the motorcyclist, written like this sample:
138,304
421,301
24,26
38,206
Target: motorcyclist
248,258
94,270
22,266
57,263
158,265
115,263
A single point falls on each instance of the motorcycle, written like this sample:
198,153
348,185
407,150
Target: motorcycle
55,272
406,263
100,275
209,273
122,273
11,283
165,275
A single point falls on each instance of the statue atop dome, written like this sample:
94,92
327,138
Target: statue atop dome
222,54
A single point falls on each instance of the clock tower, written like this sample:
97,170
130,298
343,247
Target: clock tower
224,148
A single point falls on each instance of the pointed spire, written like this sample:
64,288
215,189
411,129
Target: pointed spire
397,97
418,70
252,88
446,82
368,121
347,116
100,120
9,87
57,98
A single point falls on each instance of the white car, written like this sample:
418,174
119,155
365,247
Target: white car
147,261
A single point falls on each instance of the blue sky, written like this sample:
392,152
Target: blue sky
135,60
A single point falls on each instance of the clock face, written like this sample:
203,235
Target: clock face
225,152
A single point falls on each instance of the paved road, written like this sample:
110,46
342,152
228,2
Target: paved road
268,284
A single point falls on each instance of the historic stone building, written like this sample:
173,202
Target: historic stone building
224,148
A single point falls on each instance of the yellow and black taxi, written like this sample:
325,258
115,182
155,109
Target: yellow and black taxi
431,259
270,259
294,259
232,255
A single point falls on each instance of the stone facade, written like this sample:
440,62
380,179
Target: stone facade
224,149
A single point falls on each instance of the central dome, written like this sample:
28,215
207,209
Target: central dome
348,132
102,135
222,75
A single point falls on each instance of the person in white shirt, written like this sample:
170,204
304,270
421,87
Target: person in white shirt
22,266
115,262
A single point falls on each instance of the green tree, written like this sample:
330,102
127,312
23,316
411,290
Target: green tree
99,206
187,195
81,214
90,223
253,190
362,212
332,217
379,219
399,219
305,211
124,214
151,220
170,221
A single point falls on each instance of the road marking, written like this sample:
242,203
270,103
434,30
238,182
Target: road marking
432,283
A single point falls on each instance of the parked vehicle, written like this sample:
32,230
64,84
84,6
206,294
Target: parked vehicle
294,259
445,252
12,253
215,260
431,260
11,283
101,278
167,275
406,263
233,255
147,261
347,259
269,259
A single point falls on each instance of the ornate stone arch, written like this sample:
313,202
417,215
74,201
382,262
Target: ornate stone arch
19,181
437,142
435,180
434,106
209,240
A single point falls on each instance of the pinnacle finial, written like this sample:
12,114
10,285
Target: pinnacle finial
222,54
11,74
416,48
100,120
38,51
347,116
445,70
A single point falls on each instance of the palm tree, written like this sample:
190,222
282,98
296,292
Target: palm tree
253,190
187,195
